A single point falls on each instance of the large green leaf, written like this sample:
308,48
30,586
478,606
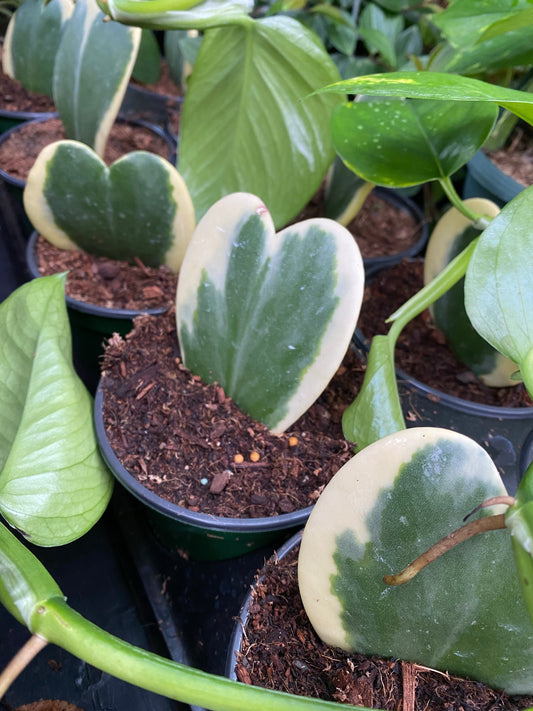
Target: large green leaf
31,42
437,85
398,142
247,124
93,66
138,207
519,520
452,233
464,613
267,316
498,284
53,484
177,14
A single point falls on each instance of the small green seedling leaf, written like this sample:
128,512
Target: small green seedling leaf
258,133
138,207
498,284
147,67
31,41
376,411
53,483
452,233
268,316
93,66
464,613
398,143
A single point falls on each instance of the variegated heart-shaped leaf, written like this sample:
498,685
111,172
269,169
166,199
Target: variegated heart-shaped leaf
464,613
93,65
452,233
31,41
138,207
268,316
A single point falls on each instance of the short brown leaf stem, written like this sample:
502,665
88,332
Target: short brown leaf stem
470,529
20,661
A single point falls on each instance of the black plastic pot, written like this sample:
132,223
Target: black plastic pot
141,104
402,202
241,621
505,432
90,325
199,536
484,179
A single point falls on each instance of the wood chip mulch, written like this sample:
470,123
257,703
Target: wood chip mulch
192,445
280,650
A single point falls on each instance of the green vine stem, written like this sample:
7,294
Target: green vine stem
480,221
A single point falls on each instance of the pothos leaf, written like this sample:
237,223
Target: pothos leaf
53,483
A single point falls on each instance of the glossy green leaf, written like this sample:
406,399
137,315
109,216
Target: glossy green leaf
267,316
53,484
519,521
31,41
465,22
247,124
138,207
464,613
452,233
437,85
177,14
498,284
376,411
93,66
397,142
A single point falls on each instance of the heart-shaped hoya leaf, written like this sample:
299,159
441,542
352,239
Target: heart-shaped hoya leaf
464,613
139,207
452,233
268,316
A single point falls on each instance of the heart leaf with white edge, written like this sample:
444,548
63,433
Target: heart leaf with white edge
53,483
464,613
498,284
267,316
139,207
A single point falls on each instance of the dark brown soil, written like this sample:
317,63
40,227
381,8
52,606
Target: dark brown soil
108,282
19,152
380,228
48,705
280,650
421,349
189,443
516,159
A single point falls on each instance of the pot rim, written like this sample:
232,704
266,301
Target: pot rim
179,513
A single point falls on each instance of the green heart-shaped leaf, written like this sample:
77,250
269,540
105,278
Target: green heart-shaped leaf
138,207
258,131
93,66
498,284
268,316
53,483
397,143
452,233
31,41
464,613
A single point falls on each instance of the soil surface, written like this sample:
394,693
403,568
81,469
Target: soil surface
189,443
380,228
19,152
16,98
48,705
280,650
438,367
108,282
516,159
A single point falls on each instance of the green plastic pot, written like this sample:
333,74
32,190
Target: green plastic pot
197,535
484,179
